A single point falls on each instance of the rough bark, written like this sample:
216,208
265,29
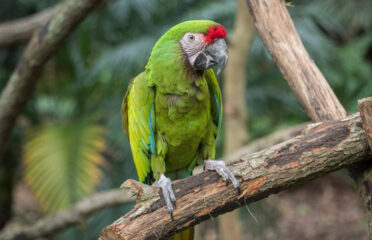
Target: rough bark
363,173
67,218
20,30
365,108
277,32
235,109
42,46
322,148
279,35
74,215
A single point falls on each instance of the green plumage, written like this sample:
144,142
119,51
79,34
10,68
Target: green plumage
171,113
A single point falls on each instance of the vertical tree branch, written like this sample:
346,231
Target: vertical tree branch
279,35
235,108
277,32
363,173
365,108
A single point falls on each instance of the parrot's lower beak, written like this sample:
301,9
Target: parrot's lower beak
214,54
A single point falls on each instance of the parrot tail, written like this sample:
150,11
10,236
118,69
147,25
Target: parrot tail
187,234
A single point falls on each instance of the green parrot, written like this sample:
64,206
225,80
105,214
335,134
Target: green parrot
172,112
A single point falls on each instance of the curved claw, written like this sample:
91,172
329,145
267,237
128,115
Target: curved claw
169,197
222,170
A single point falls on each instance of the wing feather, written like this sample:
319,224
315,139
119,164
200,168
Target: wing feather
216,98
139,121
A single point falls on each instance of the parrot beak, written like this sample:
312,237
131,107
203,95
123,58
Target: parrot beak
214,54
218,51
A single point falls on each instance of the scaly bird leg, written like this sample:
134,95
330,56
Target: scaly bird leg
222,170
166,185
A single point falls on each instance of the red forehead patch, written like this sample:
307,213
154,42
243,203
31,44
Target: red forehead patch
215,32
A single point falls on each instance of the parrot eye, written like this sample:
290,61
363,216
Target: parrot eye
191,38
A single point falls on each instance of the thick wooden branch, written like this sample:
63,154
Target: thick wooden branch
279,35
42,46
20,30
322,148
277,32
365,108
363,172
74,215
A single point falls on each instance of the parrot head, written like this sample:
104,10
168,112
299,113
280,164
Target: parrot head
203,50
201,44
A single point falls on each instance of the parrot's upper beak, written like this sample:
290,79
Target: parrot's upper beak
214,54
218,50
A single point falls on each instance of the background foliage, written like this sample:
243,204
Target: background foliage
70,132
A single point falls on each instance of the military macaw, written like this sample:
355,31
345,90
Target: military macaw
172,112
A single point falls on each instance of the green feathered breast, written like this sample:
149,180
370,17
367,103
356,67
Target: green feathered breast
171,115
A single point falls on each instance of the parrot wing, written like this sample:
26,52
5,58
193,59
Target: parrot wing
139,122
216,99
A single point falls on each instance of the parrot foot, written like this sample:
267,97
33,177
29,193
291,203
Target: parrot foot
220,167
169,197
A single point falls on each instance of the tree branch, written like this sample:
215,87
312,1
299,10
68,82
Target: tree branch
51,225
42,46
75,214
322,148
365,108
277,31
21,30
362,173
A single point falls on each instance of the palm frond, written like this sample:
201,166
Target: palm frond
62,162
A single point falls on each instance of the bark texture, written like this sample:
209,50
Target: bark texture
363,173
323,147
76,214
365,108
20,30
279,35
277,32
42,46
235,109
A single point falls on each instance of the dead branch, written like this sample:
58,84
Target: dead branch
365,108
322,148
277,31
42,46
20,30
76,214
363,173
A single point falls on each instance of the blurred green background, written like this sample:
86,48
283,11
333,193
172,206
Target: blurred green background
68,142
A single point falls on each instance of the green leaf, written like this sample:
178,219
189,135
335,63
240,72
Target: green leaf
63,162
